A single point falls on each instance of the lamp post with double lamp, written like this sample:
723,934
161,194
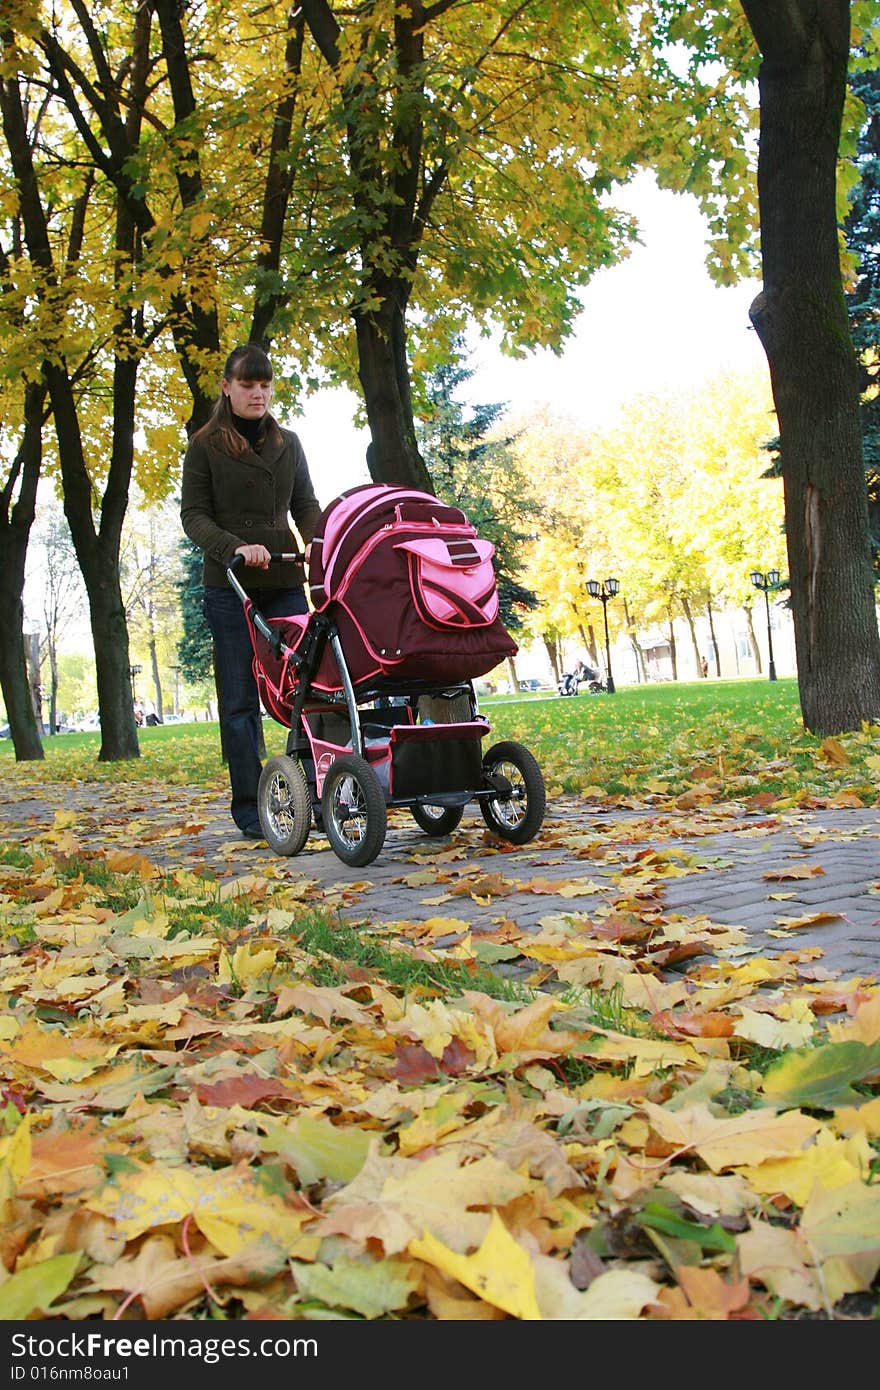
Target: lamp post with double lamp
609,588
767,582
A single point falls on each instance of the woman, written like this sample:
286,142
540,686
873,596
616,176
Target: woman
244,478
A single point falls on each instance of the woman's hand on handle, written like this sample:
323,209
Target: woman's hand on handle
256,556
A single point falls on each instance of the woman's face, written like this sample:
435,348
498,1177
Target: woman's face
248,399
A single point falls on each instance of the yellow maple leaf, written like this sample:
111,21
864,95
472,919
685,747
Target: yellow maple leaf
246,964
445,926
227,1206
15,1152
433,1025
781,1260
736,1140
853,1119
834,752
865,1027
831,1162
525,1032
499,1271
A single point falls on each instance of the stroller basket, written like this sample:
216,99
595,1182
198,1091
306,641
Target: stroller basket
375,684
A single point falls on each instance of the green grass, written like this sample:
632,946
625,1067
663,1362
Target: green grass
731,740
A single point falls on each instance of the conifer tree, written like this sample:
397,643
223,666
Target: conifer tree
195,648
475,469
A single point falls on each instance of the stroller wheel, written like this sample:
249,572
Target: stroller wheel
517,812
353,810
437,820
284,804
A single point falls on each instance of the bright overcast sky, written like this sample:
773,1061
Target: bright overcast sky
653,324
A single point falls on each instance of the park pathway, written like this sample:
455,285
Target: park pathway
797,879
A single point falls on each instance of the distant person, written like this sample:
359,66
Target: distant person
584,672
704,666
244,479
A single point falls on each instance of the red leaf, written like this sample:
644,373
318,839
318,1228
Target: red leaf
246,1091
414,1064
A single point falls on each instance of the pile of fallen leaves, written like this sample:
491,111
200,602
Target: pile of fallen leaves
213,1108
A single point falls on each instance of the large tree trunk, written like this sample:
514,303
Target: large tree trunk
393,456
16,520
801,320
98,552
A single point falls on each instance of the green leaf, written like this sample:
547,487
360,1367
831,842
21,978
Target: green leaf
32,1290
821,1078
659,1218
318,1149
366,1287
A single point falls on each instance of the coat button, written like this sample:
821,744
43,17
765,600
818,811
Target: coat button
248,523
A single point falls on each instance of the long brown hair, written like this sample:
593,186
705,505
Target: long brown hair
247,362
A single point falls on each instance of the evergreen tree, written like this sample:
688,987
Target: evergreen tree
480,474
862,227
195,648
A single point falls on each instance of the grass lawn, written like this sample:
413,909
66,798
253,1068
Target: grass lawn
705,740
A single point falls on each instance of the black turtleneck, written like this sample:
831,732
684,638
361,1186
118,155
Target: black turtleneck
251,429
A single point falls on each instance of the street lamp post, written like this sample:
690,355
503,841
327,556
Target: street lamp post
134,672
609,588
767,582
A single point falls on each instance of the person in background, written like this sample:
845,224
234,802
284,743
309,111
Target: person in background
245,480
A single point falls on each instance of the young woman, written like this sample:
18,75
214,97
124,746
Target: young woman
244,480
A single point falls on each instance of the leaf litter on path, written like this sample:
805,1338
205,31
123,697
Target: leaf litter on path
208,1109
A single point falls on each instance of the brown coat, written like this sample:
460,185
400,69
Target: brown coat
227,502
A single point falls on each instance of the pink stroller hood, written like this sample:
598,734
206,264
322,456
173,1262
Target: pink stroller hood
410,585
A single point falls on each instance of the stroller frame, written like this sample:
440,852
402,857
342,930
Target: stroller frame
354,752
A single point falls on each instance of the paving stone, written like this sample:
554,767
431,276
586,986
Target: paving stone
726,852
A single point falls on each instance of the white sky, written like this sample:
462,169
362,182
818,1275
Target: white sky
655,323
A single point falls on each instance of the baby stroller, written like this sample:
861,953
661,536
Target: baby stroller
405,617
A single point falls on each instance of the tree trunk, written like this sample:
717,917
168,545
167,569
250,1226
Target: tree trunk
157,680
16,520
673,650
692,628
23,725
753,639
32,661
641,666
53,688
552,650
800,318
711,614
393,455
98,553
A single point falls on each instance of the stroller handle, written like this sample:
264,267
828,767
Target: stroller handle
275,558
272,637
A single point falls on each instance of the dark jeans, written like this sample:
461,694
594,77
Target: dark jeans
237,688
